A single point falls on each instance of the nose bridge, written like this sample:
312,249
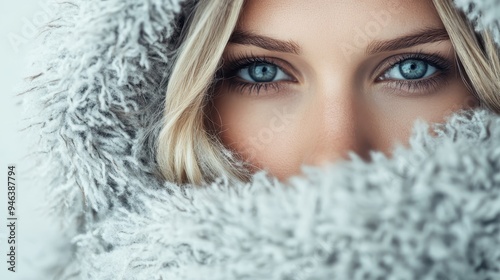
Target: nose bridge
340,111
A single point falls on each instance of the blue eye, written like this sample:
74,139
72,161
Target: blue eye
259,72
410,69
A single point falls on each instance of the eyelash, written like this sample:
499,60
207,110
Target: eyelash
421,85
236,63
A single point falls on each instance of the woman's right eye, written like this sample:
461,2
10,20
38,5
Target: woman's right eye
260,72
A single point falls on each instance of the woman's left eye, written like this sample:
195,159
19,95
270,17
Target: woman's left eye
410,69
261,72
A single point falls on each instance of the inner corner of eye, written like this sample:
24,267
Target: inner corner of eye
382,77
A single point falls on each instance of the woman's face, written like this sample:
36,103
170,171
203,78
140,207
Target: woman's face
304,82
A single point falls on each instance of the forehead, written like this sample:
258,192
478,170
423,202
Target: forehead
327,22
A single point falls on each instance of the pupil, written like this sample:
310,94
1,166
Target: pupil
413,69
262,72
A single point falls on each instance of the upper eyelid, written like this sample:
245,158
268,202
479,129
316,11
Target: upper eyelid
269,60
396,59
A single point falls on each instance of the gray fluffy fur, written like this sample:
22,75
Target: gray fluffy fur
432,211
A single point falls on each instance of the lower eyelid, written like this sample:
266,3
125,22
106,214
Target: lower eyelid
418,87
250,88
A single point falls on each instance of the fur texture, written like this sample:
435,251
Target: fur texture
432,211
484,14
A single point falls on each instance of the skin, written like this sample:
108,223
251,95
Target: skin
331,99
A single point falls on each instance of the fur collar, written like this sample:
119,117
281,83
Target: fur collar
431,211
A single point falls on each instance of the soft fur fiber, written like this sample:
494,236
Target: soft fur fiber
431,211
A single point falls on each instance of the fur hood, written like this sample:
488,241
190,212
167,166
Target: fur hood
431,211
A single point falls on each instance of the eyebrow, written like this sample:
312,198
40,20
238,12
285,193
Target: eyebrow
249,38
427,35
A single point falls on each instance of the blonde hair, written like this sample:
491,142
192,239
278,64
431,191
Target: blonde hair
186,151
477,53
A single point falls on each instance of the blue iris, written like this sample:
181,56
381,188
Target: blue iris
262,72
413,69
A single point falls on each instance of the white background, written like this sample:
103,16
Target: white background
33,230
